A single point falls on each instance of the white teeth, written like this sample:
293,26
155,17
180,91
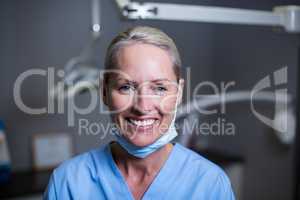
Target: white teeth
142,122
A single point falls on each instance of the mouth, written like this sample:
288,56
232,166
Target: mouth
142,124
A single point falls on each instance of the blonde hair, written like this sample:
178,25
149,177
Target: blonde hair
145,35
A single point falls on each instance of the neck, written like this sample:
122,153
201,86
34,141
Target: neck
130,165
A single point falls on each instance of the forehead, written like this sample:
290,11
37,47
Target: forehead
145,62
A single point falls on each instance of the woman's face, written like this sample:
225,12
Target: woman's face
142,95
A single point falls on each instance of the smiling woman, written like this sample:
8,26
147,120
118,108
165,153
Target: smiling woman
148,98
142,88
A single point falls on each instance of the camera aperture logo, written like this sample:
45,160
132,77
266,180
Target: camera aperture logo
280,78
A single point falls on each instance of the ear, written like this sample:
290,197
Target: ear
104,92
180,91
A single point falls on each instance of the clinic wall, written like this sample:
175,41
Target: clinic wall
42,34
253,54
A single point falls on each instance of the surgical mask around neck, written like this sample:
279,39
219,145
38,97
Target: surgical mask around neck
142,152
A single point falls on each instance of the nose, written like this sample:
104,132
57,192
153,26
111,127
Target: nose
143,102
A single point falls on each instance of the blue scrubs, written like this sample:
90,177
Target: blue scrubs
94,175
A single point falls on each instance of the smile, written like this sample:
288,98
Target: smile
144,122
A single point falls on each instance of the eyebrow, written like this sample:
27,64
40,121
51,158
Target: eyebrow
155,80
126,80
161,80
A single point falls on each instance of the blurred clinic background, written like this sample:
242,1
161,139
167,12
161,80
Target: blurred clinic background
70,37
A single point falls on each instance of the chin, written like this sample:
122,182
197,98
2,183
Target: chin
140,132
142,140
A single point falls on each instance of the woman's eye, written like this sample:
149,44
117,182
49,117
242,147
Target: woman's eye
160,90
126,88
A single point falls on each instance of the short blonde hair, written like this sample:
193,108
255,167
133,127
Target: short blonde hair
146,35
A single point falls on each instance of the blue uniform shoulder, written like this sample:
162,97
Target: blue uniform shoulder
79,165
72,175
200,163
204,175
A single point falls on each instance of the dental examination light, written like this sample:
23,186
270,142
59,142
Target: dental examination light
287,17
284,119
81,72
